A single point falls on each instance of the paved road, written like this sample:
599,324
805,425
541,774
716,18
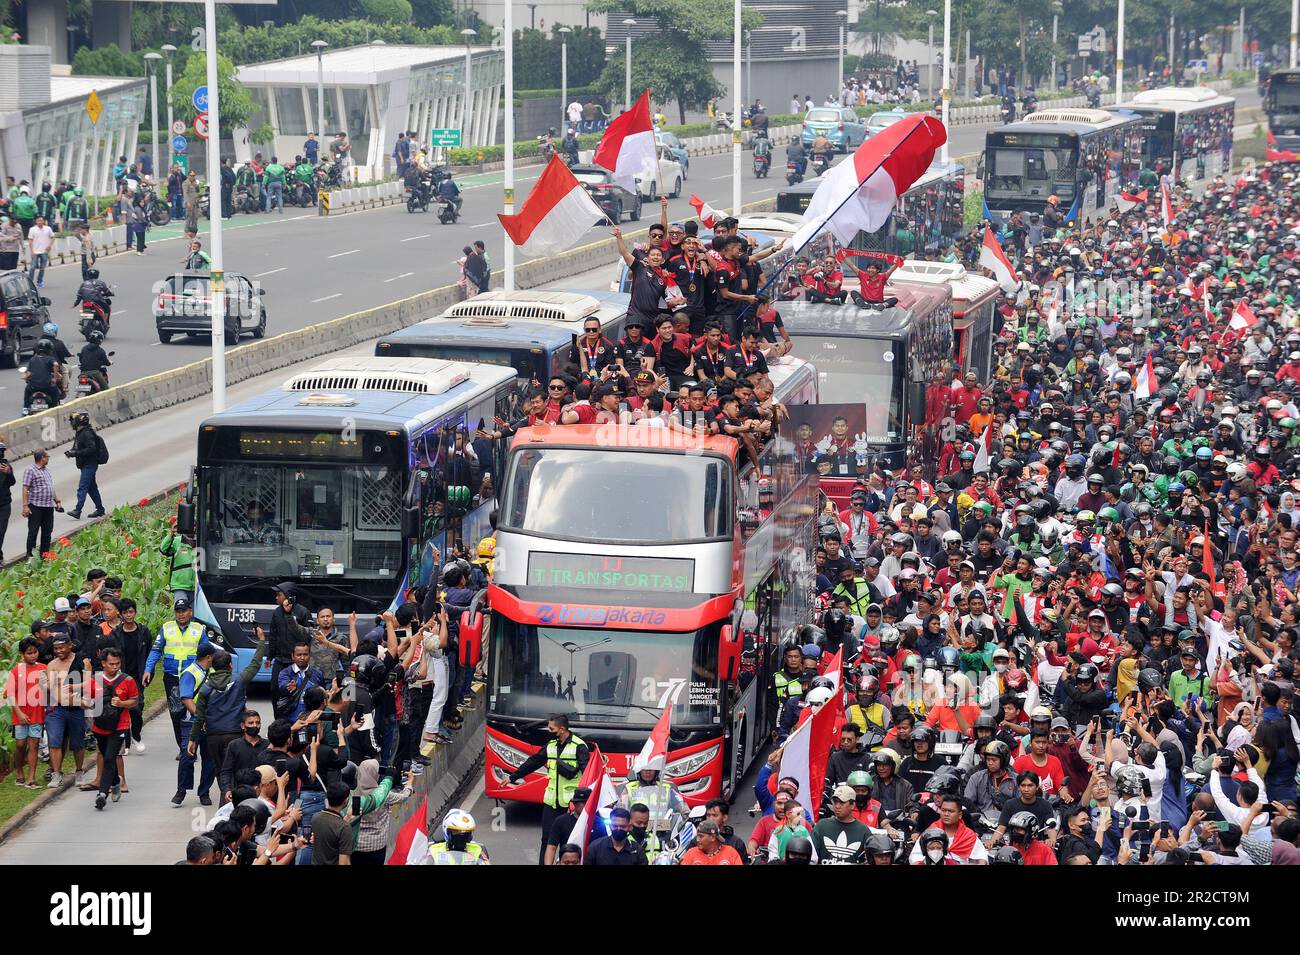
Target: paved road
317,269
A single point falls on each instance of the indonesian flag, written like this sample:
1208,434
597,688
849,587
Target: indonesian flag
628,147
860,195
995,260
1145,386
1133,196
1273,154
1166,206
603,794
412,839
1242,318
654,754
556,214
807,750
707,215
983,452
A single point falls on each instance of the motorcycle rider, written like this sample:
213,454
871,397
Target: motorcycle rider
415,180
762,149
457,846
1009,107
795,153
447,189
94,361
646,787
77,212
94,291
822,149
47,206
50,332
570,146
43,374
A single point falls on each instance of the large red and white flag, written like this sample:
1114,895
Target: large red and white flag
654,754
995,260
1242,318
628,147
808,749
603,794
859,196
984,450
707,215
1145,386
556,214
1166,206
412,843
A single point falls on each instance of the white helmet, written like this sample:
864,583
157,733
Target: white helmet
819,696
951,537
1236,471
457,820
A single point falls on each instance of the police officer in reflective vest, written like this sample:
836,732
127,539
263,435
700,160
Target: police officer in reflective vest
176,645
565,757
659,796
786,680
458,846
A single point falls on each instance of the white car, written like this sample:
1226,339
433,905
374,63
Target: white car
670,174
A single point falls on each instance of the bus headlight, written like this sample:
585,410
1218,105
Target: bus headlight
507,754
691,764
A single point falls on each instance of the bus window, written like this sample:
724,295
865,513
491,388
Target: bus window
318,496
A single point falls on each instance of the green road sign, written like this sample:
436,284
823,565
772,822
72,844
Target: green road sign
444,137
182,161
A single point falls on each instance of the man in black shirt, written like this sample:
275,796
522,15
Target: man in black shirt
596,355
672,354
633,348
712,360
563,825
690,270
648,283
747,358
617,848
7,481
242,753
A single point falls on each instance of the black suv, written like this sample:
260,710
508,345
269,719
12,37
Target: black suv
612,198
23,310
184,305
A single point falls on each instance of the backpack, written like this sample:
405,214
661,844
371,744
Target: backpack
101,451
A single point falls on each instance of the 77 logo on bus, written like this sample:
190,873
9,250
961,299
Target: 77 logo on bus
666,691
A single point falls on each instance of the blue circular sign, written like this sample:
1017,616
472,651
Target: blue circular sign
201,99
179,144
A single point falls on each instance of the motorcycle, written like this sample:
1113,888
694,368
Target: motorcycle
93,382
93,318
820,163
303,194
417,197
793,173
448,214
41,399
762,164
1008,113
157,210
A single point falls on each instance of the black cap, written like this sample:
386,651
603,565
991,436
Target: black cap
39,625
181,603
581,794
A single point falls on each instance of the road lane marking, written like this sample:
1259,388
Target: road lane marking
327,297
339,255
481,225
404,275
414,237
272,272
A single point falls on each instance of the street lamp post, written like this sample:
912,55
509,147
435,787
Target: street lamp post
748,96
1295,29
929,52
564,74
508,186
1056,13
319,46
72,41
168,50
469,35
1119,55
151,64
737,38
628,24
946,92
839,76
216,273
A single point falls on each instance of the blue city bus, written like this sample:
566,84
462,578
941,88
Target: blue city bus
533,332
347,480
1084,157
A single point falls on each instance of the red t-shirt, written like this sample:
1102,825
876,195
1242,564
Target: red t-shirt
1038,853
1052,774
725,855
873,289
23,691
585,412
126,690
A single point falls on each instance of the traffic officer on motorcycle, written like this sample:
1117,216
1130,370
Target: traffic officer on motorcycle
458,846
659,796
565,757
177,645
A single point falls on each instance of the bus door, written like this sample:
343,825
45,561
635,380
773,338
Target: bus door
753,708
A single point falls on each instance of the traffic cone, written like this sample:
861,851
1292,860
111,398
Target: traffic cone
108,217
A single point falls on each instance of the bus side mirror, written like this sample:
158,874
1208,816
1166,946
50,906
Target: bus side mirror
471,638
729,647
185,519
411,522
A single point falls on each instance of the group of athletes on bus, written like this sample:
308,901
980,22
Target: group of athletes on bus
1076,644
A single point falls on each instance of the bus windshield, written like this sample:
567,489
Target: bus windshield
305,520
622,677
1032,171
860,371
625,496
1284,100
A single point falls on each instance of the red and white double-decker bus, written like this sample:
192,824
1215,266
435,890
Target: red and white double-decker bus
642,567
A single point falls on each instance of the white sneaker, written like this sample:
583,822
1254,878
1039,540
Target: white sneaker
139,747
55,781
79,778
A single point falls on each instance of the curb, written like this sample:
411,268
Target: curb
28,812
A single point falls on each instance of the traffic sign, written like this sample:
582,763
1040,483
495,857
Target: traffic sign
180,144
1257,59
178,127
183,162
93,107
1085,44
201,125
444,137
200,99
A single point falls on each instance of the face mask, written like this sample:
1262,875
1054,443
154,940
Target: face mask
1000,667
861,801
935,854
253,731
618,835
639,831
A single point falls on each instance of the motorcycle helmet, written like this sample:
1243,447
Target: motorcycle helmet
1007,855
261,811
369,672
859,777
885,756
798,851
999,749
50,330
820,695
949,659
924,734
44,347
95,338
1022,828
932,836
1129,781
947,781
92,275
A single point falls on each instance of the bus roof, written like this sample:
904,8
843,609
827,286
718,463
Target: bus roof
849,321
373,393
632,437
532,319
1066,121
1175,99
967,287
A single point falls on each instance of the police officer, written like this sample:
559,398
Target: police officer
177,645
458,846
193,677
786,679
659,796
565,757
